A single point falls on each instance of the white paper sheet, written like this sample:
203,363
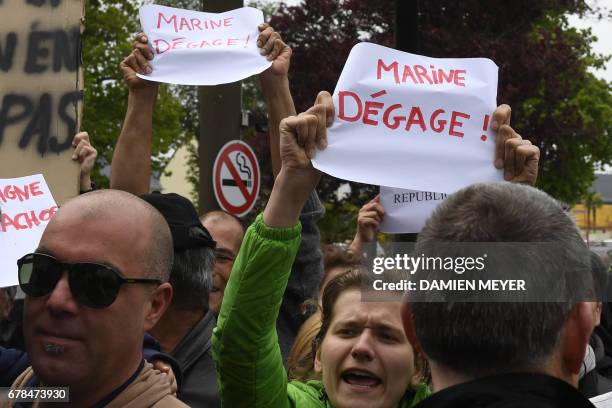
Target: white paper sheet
407,210
27,206
195,48
441,150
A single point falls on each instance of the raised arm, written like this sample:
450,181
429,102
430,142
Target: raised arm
131,165
85,154
275,87
308,265
368,224
249,364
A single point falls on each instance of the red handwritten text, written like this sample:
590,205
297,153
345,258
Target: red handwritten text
192,24
26,220
418,74
20,193
162,46
374,113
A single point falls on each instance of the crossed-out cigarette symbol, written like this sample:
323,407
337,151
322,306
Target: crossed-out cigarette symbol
244,168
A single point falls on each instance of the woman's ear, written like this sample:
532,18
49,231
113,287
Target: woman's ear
317,361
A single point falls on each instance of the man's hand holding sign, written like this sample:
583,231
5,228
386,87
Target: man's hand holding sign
407,210
408,121
131,164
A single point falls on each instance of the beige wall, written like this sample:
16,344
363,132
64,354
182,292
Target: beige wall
177,182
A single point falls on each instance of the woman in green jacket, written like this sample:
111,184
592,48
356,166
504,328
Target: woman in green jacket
363,355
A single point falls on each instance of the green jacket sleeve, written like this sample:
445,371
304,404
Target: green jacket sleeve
247,356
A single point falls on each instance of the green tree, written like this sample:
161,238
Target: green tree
110,26
544,71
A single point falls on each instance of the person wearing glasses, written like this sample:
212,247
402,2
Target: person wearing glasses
131,170
96,283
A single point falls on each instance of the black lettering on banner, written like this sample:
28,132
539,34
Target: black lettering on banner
39,124
36,51
8,116
64,53
40,3
38,114
67,100
67,49
7,51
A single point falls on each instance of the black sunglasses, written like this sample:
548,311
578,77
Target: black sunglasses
93,285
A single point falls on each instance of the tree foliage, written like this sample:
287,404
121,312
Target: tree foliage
544,75
544,71
110,26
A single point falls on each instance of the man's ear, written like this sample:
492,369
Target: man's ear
159,300
598,307
575,335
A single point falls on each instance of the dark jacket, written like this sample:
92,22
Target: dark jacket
194,355
594,382
11,328
12,363
509,391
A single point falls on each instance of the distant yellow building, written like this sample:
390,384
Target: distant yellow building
599,220
177,182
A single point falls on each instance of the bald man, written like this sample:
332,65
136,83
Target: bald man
228,232
96,283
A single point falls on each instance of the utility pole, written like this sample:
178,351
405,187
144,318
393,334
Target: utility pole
407,25
406,39
220,117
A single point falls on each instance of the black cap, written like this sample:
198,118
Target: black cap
182,217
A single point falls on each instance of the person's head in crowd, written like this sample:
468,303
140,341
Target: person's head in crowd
96,283
191,275
194,251
469,340
7,296
228,232
336,261
300,362
361,351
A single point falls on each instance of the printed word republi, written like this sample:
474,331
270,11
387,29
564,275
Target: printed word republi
418,196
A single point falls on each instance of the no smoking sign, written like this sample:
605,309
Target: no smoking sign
236,178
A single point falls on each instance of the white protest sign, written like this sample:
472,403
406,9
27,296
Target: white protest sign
27,206
407,210
414,122
195,48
